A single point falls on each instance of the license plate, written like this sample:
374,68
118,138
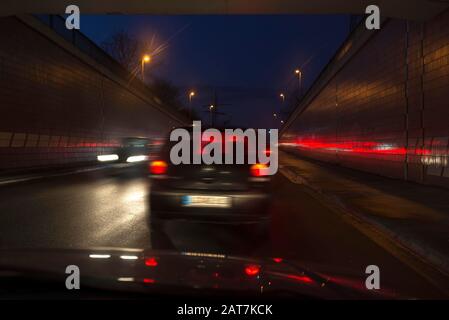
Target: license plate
206,201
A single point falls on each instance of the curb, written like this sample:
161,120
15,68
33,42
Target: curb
426,255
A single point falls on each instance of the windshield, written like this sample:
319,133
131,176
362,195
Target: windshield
332,182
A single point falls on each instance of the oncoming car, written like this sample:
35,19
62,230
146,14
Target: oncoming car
134,149
131,150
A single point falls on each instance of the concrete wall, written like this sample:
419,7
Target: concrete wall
384,108
60,106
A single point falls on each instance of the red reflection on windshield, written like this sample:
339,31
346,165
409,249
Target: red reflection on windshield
305,279
148,280
252,270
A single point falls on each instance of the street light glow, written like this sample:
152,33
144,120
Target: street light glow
282,97
299,73
145,59
211,107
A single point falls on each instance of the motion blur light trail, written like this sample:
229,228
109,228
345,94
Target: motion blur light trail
356,147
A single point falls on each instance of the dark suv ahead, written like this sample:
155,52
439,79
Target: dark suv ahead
217,193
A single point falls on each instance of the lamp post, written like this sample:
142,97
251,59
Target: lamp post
145,59
282,96
191,95
299,74
211,109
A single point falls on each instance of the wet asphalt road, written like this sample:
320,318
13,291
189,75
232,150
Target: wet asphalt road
108,208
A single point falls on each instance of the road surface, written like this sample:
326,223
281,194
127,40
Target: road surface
108,208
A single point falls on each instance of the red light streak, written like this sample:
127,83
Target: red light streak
304,279
353,147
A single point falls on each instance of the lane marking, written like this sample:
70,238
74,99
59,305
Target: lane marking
52,175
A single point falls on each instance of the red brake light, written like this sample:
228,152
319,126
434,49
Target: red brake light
151,262
252,270
158,167
258,170
148,280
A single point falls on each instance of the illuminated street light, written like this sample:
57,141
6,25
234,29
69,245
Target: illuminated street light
211,108
191,95
299,73
282,97
145,59
275,115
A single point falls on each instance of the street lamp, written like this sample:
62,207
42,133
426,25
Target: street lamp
191,95
282,97
275,116
145,59
211,108
299,73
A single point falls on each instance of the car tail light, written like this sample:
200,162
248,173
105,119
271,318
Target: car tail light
151,262
158,167
258,170
252,270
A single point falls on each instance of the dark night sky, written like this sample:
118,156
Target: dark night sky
247,60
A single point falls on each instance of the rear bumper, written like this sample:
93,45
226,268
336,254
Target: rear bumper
246,207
